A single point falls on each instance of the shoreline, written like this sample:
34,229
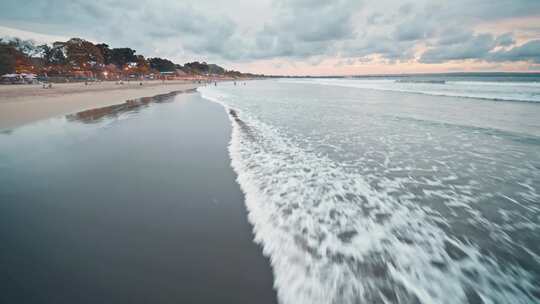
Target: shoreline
157,209
23,104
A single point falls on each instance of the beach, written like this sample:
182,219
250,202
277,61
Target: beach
270,152
135,202
277,191
21,104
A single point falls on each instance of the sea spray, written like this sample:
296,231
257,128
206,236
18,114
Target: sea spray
333,238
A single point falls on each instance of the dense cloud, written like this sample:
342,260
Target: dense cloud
473,47
307,30
304,28
416,29
529,51
149,26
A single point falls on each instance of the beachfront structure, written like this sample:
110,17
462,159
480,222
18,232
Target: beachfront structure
19,78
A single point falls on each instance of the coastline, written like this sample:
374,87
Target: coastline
160,219
22,104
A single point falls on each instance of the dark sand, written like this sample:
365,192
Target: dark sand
127,206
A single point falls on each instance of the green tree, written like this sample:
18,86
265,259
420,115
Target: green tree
82,53
7,58
122,56
26,47
143,66
161,64
106,52
215,69
56,54
197,67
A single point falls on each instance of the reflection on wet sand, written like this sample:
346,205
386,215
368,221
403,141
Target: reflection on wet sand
132,105
127,210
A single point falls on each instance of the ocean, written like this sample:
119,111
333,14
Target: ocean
392,190
420,189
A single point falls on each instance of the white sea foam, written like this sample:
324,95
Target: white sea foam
332,238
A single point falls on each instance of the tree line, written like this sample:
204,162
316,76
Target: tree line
78,55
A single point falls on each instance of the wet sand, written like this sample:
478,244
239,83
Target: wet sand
21,104
136,204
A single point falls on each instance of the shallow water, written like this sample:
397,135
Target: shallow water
366,195
522,88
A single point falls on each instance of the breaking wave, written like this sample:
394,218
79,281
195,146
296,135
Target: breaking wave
333,238
499,91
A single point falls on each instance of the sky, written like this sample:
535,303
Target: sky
299,37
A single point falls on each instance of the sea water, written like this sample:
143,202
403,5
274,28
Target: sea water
379,191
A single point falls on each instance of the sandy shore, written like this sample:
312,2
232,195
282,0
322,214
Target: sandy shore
144,210
22,104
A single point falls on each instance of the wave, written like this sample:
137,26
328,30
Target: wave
515,92
421,81
333,238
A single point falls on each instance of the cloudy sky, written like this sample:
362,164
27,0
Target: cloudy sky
317,37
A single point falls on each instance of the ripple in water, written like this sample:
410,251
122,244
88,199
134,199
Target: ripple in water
341,230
